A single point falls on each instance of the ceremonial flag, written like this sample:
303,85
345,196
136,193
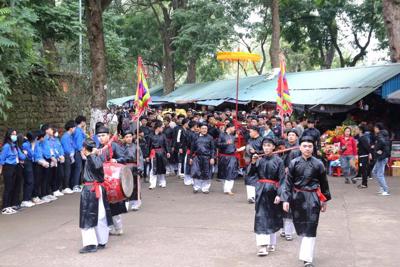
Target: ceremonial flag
284,102
142,98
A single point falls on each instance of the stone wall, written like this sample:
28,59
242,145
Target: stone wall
38,100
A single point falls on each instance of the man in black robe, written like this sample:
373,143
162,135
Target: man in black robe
306,191
136,167
291,143
168,131
108,147
145,131
254,146
159,154
228,166
180,144
191,135
94,212
270,174
202,158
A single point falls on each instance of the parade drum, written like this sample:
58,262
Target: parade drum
118,181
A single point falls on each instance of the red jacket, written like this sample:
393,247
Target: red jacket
350,144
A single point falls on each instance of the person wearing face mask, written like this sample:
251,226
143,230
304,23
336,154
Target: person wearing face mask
19,177
269,171
306,191
10,156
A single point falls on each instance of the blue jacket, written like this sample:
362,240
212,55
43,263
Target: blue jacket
38,152
67,143
10,153
47,148
58,149
78,138
27,146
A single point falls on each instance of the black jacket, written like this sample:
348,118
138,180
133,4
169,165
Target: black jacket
364,145
382,145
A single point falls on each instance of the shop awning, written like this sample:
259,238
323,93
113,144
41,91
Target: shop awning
343,86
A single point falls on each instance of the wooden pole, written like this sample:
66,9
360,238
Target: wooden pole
138,157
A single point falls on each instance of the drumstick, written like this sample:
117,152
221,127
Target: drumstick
280,151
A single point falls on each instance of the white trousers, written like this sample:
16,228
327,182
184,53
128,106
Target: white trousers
204,185
135,203
187,180
265,240
117,222
99,234
228,185
251,191
160,179
307,249
288,226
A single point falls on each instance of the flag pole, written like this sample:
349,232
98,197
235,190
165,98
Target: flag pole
138,158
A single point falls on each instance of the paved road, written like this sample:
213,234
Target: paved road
177,228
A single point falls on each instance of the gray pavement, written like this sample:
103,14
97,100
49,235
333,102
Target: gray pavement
177,228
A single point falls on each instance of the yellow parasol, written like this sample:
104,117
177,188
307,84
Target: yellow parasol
237,57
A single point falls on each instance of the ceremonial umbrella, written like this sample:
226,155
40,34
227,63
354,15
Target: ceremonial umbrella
237,57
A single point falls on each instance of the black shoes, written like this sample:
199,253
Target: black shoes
88,249
101,246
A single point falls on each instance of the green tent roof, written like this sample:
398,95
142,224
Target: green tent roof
342,86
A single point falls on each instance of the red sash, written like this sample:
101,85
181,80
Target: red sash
321,196
269,181
153,152
95,187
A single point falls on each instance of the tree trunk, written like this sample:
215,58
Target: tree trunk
276,34
94,23
50,53
329,56
191,71
169,68
391,14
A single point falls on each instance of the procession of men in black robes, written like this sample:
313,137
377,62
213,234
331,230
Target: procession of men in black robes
289,186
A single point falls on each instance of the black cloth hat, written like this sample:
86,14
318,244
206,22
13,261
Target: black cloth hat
269,140
89,144
308,139
126,132
102,129
292,131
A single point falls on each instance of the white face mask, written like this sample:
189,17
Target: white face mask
56,134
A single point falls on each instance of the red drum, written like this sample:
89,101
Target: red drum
118,181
